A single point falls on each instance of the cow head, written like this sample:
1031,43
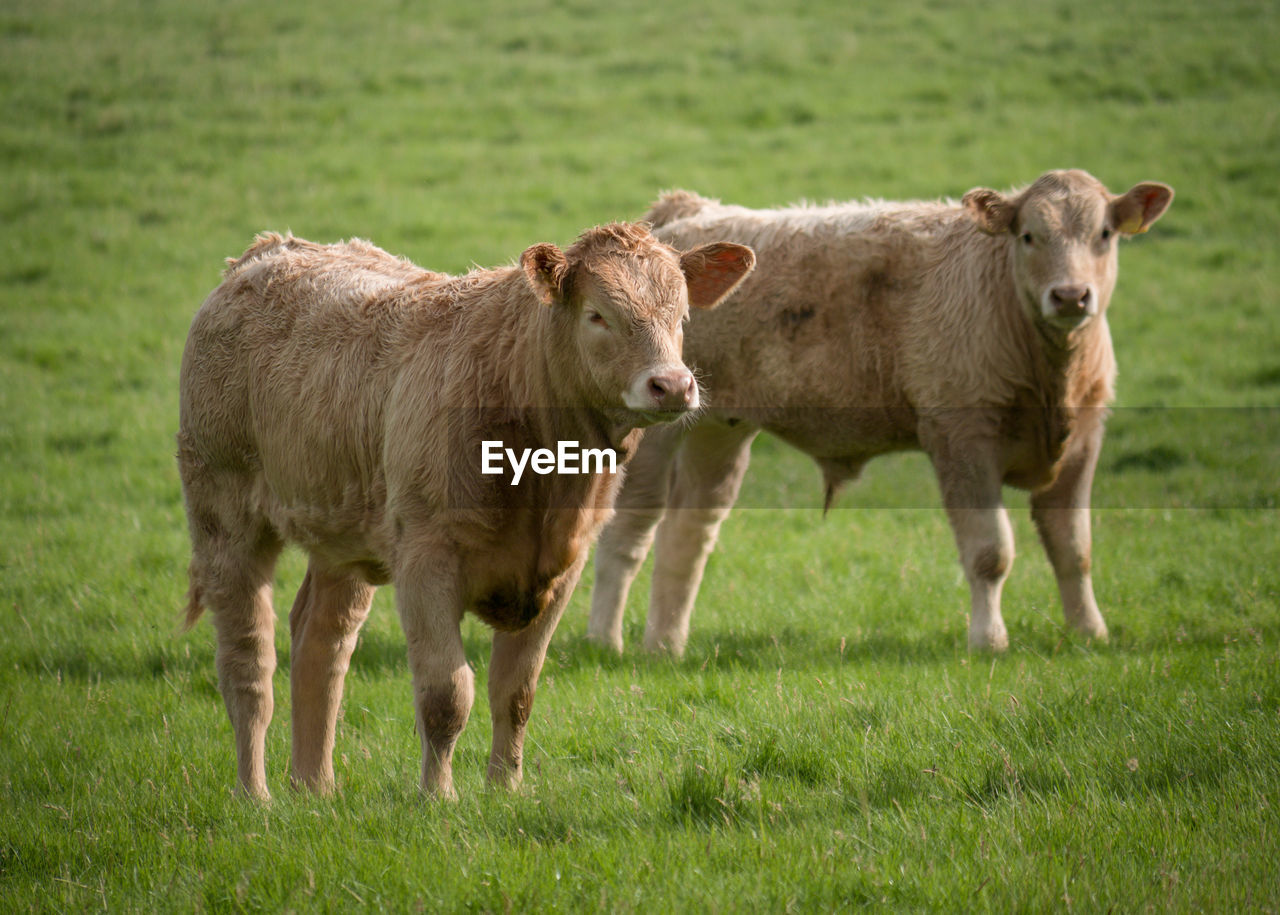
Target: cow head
623,297
1064,229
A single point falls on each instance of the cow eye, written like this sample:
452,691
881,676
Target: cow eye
1027,239
597,319
1106,233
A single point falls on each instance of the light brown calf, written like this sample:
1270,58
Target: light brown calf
340,398
974,331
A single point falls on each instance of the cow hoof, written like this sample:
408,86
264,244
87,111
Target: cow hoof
664,648
319,787
258,794
995,642
1091,627
444,793
605,641
504,778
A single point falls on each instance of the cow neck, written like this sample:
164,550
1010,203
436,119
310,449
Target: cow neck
1070,357
1052,360
1059,373
535,355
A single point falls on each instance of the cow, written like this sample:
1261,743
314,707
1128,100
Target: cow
974,331
340,398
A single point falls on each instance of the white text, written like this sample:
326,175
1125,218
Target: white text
568,458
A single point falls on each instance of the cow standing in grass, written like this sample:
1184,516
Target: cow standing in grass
974,331
339,398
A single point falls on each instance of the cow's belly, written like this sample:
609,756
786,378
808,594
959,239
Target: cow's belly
342,533
845,432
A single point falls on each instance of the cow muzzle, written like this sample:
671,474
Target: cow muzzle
1069,305
663,393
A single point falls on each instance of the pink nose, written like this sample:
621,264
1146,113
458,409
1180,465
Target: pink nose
1071,301
672,390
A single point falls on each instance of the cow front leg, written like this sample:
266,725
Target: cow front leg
430,610
514,667
626,539
985,539
325,622
971,492
1062,517
708,473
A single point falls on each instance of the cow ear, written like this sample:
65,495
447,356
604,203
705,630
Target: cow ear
715,270
546,267
1134,211
991,210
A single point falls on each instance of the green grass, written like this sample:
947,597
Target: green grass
827,743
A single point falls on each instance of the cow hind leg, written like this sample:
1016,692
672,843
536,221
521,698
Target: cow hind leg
708,473
325,622
232,564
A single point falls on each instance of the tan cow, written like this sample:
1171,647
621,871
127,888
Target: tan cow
341,398
974,331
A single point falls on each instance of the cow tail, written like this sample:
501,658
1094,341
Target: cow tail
195,605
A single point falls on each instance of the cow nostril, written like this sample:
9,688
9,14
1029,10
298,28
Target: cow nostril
1074,298
684,386
672,389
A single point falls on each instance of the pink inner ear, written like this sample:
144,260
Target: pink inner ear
1141,207
717,272
1151,203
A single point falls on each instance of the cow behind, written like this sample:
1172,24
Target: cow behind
974,331
337,397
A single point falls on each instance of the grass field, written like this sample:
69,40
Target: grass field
827,743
